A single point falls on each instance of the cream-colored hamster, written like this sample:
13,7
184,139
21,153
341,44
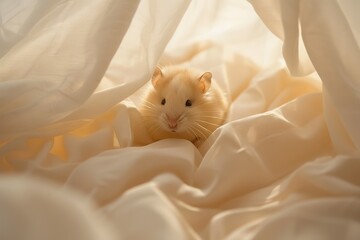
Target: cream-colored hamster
182,103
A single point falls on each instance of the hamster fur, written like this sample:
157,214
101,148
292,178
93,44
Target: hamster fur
182,103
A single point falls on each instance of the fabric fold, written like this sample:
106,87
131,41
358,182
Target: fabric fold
284,165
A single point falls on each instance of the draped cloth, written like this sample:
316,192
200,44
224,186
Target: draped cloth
76,159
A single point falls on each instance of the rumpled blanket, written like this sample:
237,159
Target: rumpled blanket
76,159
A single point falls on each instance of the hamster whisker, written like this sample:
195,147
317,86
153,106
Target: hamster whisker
150,103
149,109
153,129
199,130
148,106
204,103
202,127
214,117
207,136
152,108
180,118
191,131
212,111
207,122
195,131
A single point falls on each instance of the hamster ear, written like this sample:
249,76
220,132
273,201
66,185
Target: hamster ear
157,75
205,82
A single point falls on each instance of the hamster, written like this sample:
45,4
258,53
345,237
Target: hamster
182,103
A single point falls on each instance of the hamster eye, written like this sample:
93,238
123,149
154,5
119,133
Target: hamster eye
163,101
188,103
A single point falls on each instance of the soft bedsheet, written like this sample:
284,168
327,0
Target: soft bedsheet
76,160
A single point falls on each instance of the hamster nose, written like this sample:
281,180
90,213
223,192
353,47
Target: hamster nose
172,121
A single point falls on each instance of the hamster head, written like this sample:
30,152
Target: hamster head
181,103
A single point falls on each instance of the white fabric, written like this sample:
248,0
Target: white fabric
285,165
